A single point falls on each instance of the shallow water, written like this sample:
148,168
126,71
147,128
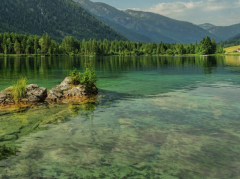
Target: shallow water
155,117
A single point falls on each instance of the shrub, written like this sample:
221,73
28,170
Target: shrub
74,76
18,90
88,78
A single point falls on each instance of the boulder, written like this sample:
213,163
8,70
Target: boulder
34,94
67,90
6,97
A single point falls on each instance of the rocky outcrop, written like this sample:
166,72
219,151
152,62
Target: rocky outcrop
33,94
66,90
6,96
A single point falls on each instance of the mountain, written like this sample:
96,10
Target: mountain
59,18
225,32
234,41
177,31
145,25
206,26
107,14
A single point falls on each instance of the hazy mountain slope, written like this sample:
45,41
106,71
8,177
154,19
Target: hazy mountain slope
154,26
178,31
206,26
56,17
106,13
231,42
225,32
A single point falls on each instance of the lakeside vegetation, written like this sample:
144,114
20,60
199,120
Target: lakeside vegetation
18,90
12,43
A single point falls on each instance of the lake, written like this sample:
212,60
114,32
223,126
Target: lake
154,117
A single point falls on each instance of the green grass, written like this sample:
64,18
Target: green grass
19,89
231,49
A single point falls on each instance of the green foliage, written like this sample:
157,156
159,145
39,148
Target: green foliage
6,152
18,90
17,47
74,77
70,46
206,46
45,42
88,78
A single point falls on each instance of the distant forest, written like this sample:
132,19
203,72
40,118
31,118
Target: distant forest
231,42
12,43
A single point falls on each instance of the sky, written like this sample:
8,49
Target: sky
217,12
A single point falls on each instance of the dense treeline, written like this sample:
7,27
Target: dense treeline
12,43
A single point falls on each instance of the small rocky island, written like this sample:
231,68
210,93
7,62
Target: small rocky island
77,86
33,94
67,90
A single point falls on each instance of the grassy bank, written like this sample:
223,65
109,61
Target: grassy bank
232,49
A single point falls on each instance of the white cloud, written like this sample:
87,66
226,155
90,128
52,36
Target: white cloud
217,12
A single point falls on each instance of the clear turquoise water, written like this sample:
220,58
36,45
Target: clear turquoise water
156,117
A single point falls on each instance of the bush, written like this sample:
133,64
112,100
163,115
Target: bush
88,78
74,77
18,90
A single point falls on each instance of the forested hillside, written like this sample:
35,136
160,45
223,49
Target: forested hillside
147,26
234,41
177,31
107,13
225,32
58,18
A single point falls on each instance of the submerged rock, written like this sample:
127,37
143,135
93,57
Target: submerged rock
67,90
33,94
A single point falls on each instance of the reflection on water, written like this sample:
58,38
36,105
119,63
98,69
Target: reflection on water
168,118
51,70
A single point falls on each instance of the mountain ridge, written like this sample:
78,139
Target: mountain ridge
225,32
58,18
156,33
206,26
234,41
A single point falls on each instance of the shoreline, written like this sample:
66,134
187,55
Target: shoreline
92,56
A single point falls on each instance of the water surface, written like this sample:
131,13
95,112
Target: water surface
155,117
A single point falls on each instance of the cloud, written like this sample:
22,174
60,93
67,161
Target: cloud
217,12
